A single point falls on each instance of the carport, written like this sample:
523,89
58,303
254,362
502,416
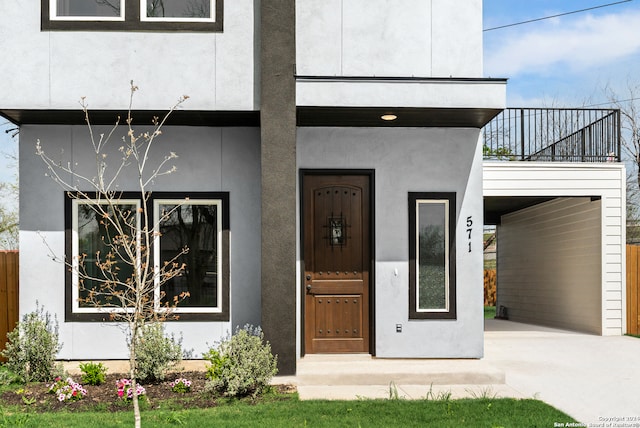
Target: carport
560,242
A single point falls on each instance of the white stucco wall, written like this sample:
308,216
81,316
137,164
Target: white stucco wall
604,180
426,38
210,159
52,70
412,160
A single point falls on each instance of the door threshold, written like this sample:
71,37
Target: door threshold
362,356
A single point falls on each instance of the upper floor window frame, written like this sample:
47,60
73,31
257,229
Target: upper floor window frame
133,18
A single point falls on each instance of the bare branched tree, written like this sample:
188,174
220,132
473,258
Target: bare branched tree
118,276
111,4
629,104
198,9
192,9
156,8
9,224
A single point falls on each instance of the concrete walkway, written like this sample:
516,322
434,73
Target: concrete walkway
592,378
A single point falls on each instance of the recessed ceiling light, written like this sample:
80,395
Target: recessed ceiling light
388,116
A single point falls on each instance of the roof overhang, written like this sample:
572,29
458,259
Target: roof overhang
406,117
497,206
109,117
416,101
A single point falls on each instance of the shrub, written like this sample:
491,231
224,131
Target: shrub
32,347
7,377
242,364
93,373
156,353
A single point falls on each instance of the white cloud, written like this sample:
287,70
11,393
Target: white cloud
563,45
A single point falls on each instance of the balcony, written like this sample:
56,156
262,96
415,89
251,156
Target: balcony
553,135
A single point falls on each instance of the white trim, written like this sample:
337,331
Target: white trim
53,14
156,252
144,17
444,202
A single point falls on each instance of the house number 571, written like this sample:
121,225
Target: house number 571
469,229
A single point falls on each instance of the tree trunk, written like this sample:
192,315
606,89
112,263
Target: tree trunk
132,373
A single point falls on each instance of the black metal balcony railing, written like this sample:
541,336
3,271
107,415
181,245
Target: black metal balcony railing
554,135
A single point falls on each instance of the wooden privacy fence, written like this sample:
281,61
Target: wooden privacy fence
489,287
8,294
633,286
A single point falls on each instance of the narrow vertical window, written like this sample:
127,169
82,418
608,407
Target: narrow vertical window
431,255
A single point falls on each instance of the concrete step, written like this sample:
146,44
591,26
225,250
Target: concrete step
362,369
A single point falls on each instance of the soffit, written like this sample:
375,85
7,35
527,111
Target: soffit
140,117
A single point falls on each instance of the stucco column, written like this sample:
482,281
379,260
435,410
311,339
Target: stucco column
278,135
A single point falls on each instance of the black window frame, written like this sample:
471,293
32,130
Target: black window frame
132,21
224,283
451,313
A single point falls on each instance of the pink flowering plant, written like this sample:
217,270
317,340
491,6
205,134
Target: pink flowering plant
125,391
67,390
181,385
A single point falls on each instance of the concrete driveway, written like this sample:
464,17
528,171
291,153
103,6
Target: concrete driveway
595,379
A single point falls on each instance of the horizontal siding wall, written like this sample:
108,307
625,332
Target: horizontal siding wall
606,181
549,266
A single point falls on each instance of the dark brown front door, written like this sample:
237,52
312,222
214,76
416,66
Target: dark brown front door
336,261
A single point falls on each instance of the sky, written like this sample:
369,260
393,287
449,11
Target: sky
560,62
8,146
564,61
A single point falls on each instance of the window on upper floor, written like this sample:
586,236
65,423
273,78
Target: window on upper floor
189,230
432,284
132,15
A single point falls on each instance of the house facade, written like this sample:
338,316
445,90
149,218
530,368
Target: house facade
331,151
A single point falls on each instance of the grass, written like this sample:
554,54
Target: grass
489,312
291,413
490,263
276,409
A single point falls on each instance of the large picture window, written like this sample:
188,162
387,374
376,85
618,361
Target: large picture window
132,15
189,229
432,256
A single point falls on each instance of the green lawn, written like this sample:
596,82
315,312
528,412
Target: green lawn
293,413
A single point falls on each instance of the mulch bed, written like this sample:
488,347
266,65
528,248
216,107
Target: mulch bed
36,396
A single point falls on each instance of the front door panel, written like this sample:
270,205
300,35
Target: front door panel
336,259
